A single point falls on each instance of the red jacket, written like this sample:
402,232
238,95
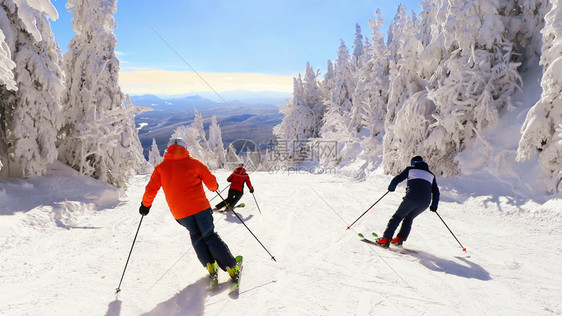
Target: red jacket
181,178
238,177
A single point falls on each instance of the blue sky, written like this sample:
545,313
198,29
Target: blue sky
225,40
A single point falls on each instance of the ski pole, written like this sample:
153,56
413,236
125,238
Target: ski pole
220,192
242,221
463,248
348,227
256,202
130,252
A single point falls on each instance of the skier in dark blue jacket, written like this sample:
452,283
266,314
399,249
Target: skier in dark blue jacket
421,192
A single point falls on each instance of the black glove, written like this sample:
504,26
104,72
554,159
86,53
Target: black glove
251,190
143,210
433,209
390,190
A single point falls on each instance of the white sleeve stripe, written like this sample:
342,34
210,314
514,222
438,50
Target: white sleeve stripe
420,174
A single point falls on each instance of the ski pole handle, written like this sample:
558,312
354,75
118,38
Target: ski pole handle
220,192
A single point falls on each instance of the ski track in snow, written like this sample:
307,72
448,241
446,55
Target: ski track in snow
66,257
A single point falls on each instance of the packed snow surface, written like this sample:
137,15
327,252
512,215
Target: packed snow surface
64,241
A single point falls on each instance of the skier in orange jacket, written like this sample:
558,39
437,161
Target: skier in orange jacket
237,179
181,177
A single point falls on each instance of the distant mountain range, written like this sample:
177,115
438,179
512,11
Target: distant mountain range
244,115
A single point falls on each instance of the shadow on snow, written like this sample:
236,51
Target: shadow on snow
466,269
189,301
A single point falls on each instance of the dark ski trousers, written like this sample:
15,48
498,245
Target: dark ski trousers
233,197
208,246
407,211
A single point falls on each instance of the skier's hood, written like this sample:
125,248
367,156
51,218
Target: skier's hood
421,165
240,171
176,152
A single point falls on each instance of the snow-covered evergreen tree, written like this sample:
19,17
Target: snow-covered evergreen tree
6,67
542,130
154,157
95,111
337,118
327,84
475,82
524,22
216,145
200,127
197,144
130,148
404,81
192,139
358,50
6,63
232,159
303,113
371,93
29,101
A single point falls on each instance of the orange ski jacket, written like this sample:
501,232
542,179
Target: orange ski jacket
181,178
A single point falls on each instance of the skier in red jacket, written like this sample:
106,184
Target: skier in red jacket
237,179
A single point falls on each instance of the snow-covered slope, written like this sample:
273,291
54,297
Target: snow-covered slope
64,241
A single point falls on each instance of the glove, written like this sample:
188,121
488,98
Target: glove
143,210
433,209
251,190
390,190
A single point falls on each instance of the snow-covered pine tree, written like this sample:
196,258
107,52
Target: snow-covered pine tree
91,139
542,130
30,114
475,82
216,145
358,50
6,63
232,159
197,144
337,117
200,127
154,157
371,93
327,84
287,132
404,82
523,28
253,160
6,66
312,98
303,114
130,148
192,137
358,60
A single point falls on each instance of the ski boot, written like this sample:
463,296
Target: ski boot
397,241
234,273
383,242
213,276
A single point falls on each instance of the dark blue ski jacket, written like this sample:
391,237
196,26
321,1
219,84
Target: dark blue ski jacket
421,185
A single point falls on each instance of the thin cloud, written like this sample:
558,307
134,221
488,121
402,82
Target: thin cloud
141,81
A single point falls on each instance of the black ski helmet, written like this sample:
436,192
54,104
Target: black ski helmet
416,159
